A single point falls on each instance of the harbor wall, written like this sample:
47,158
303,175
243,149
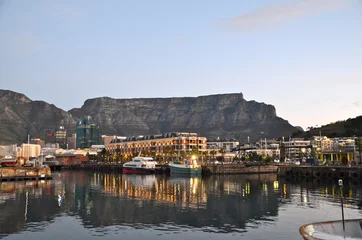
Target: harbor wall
206,170
320,172
24,173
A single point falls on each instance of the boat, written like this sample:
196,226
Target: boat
140,165
8,161
185,167
332,230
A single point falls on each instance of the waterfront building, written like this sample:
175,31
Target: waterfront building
294,147
323,144
30,150
96,149
8,150
227,144
160,144
87,133
37,141
71,158
61,137
71,141
107,139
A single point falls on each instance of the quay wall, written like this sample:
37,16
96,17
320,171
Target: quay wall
320,172
229,169
24,173
206,170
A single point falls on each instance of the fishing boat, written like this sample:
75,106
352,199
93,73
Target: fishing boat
332,230
140,165
185,167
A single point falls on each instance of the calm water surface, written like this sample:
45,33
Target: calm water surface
84,205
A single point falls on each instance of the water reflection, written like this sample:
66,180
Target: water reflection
223,204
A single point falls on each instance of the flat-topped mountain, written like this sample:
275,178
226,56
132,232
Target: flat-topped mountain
222,115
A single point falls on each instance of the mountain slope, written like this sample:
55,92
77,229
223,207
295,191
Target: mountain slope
223,115
348,128
20,116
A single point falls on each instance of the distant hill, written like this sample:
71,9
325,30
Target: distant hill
348,128
220,115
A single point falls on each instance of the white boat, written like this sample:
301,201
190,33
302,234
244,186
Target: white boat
8,161
185,167
332,230
140,165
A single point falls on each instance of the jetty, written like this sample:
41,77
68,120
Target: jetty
320,172
219,169
24,173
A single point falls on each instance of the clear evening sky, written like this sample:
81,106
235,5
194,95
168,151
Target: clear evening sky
302,56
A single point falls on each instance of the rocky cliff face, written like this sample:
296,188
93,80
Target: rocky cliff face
223,115
20,116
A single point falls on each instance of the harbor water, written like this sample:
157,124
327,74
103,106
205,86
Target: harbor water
86,205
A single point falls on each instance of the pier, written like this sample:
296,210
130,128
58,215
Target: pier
219,169
24,173
320,172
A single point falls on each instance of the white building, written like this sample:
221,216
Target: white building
30,150
294,147
227,144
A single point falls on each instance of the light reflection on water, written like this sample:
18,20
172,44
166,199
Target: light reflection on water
87,205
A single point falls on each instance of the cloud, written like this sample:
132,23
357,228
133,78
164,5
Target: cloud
357,104
276,15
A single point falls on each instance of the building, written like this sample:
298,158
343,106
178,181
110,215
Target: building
294,147
30,150
96,149
6,150
61,137
37,141
71,141
157,144
68,158
107,139
227,144
87,133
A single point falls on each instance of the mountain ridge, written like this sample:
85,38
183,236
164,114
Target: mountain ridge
218,115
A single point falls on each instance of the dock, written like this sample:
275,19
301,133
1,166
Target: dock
219,169
320,172
24,173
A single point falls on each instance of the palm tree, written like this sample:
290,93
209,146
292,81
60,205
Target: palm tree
222,151
183,154
205,153
213,153
167,151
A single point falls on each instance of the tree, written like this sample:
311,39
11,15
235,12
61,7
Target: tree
195,151
167,150
213,153
183,154
359,145
205,154
222,151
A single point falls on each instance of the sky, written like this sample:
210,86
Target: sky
302,56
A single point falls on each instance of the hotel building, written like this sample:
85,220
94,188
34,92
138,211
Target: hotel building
157,144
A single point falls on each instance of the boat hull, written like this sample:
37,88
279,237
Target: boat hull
184,170
138,170
332,230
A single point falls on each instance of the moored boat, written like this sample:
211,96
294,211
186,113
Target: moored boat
8,161
185,167
332,230
140,165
